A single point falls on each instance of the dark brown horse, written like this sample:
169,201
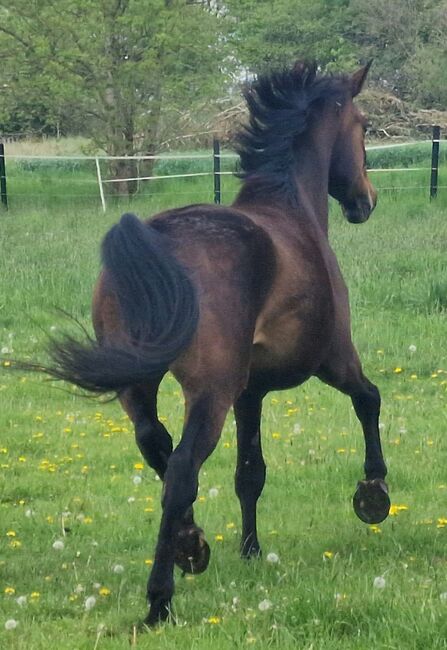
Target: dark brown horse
235,302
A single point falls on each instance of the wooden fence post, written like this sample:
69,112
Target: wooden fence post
435,162
216,170
3,194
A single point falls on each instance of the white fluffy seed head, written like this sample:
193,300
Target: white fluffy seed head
137,480
118,568
272,558
89,603
21,601
213,493
379,582
412,348
443,597
58,545
264,605
11,624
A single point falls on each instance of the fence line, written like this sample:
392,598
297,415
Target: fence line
215,157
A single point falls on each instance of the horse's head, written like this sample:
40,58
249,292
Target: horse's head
348,180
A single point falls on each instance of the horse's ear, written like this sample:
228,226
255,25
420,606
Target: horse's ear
358,79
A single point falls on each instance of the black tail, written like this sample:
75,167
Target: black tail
159,310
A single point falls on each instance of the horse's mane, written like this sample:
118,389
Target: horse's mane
280,105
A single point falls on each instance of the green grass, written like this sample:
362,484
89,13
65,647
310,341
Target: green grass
60,453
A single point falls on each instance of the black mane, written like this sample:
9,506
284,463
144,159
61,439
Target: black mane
280,105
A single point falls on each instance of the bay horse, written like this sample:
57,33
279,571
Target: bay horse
236,302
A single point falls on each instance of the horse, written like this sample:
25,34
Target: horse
235,302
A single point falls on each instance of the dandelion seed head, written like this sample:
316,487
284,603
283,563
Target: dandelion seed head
136,480
213,493
21,601
272,558
264,605
118,568
11,624
58,545
379,582
443,597
412,348
89,603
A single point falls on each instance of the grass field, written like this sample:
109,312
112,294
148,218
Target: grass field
79,512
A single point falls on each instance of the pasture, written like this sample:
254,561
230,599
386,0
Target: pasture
80,512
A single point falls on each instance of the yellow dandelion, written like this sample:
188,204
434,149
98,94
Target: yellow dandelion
328,554
218,538
395,509
231,525
11,533
148,562
9,591
375,529
397,370
104,591
138,466
214,620
35,595
15,543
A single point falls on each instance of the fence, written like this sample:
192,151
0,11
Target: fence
211,165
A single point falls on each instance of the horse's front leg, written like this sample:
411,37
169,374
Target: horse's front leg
371,501
250,470
204,421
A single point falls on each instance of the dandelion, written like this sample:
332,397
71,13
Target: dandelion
104,591
379,582
9,591
11,533
443,597
328,555
138,466
213,493
11,624
412,348
21,601
214,620
137,480
35,595
395,509
264,605
89,603
148,562
58,545
219,538
272,558
375,529
118,568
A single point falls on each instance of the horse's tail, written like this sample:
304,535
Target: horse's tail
158,311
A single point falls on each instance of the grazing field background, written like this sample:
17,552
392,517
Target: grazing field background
79,511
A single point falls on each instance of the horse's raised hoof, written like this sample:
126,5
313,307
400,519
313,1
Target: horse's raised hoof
192,553
371,501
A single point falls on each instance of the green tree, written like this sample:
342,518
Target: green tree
407,39
115,64
267,34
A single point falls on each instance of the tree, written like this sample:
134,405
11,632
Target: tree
407,40
115,63
267,35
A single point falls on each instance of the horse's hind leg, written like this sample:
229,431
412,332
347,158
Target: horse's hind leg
155,444
250,470
371,501
205,417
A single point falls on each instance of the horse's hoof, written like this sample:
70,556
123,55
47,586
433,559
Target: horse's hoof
371,501
192,553
160,611
249,551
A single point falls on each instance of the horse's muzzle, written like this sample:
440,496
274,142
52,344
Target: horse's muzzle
358,211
